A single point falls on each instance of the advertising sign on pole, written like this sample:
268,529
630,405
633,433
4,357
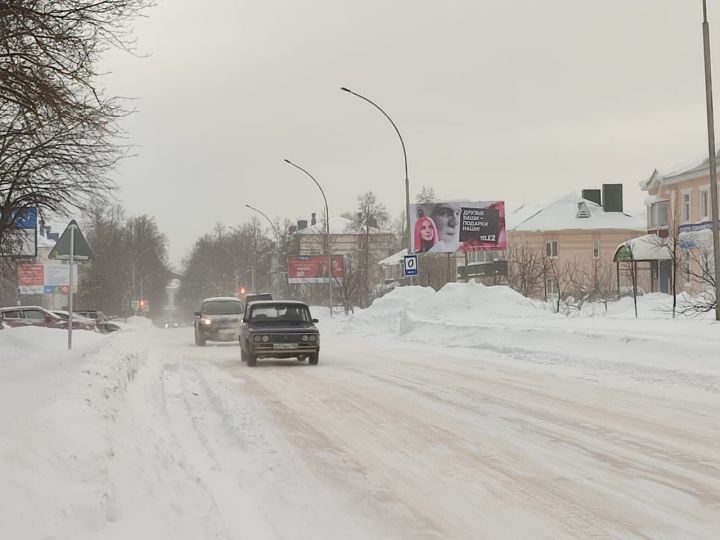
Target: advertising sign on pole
313,268
31,278
450,227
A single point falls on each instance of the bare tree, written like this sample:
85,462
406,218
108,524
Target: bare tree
58,131
525,268
703,270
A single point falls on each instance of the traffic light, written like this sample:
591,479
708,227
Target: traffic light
242,290
142,304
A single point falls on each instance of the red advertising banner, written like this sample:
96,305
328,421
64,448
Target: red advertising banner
31,278
314,268
31,275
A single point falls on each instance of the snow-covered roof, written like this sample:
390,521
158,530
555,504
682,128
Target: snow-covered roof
221,299
561,214
690,168
395,258
338,225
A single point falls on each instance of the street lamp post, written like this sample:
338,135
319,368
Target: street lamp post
407,181
327,232
711,159
275,275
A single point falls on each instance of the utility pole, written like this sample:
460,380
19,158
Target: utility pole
711,159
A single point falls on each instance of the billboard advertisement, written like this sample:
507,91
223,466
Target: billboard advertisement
23,232
457,226
314,268
45,278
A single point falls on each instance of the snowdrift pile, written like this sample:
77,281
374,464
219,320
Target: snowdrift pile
500,319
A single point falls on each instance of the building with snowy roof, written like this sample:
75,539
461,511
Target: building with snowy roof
678,213
568,243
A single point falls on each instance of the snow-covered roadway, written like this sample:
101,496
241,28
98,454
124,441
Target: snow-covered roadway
388,437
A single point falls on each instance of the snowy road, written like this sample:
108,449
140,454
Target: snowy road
391,440
386,438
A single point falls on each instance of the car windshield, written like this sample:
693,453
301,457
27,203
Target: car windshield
285,313
222,307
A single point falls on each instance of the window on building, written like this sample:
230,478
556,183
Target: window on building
551,287
705,203
686,206
596,249
658,215
551,248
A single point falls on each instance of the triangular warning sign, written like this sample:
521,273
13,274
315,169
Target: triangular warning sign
62,247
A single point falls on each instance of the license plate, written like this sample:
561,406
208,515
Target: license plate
284,346
228,331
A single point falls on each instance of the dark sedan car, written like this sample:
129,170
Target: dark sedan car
279,329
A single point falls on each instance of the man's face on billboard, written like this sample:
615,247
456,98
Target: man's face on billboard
446,222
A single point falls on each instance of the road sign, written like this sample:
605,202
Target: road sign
146,308
410,265
135,304
61,250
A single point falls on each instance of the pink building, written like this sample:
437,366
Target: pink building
679,213
571,241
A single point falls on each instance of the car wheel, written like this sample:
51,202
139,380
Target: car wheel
314,357
251,359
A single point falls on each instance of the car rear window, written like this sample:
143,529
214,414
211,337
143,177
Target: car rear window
222,307
280,313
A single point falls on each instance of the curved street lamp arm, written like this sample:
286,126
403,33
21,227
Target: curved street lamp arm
327,212
371,102
274,228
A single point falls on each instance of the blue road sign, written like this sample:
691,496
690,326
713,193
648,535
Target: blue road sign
410,265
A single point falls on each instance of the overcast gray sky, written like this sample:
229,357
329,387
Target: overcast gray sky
514,100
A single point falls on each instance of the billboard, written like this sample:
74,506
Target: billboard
45,278
22,231
314,268
449,227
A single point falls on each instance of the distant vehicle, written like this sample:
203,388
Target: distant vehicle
102,321
17,316
278,329
256,297
218,319
172,324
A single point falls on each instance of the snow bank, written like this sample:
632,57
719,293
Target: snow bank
386,312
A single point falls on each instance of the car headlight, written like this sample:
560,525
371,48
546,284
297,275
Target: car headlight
206,321
313,337
266,338
305,337
256,339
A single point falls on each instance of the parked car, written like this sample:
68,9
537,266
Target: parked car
218,319
102,321
65,315
17,316
278,329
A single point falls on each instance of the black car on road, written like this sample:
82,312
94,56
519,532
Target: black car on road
278,329
218,319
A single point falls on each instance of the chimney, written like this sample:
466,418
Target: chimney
592,195
612,196
313,219
301,224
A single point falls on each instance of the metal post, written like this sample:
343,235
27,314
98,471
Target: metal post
327,231
70,292
712,160
407,180
275,263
